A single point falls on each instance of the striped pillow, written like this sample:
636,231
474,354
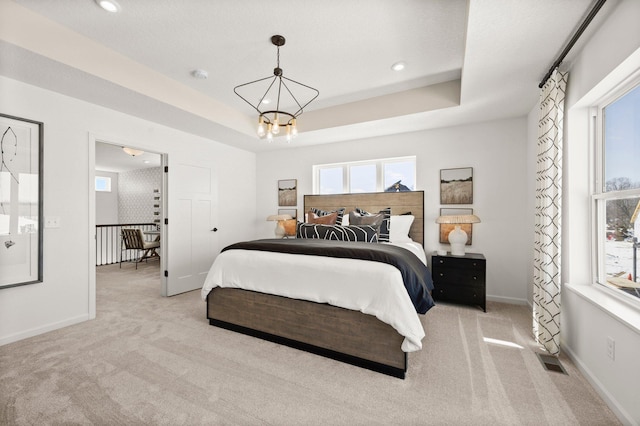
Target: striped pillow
363,233
340,212
386,222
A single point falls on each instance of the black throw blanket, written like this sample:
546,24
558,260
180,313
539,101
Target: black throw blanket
415,274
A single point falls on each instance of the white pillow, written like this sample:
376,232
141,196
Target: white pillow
345,220
399,229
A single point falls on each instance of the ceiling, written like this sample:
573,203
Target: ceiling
467,61
111,158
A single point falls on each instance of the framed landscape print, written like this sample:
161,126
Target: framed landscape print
445,228
287,192
21,219
456,186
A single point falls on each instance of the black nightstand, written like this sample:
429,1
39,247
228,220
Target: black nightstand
460,279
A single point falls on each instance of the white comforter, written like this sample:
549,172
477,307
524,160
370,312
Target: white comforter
371,287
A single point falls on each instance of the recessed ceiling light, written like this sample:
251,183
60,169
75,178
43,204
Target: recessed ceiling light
399,66
109,5
200,74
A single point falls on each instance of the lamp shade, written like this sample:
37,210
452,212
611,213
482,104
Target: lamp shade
456,219
279,217
458,237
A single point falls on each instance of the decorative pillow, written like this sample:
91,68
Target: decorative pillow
340,212
364,233
373,220
400,226
290,227
328,219
384,227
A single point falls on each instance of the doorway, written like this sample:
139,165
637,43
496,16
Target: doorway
127,189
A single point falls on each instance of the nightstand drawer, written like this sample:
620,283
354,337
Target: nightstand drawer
458,276
461,294
460,262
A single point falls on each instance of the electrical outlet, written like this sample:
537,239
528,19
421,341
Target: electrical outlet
611,348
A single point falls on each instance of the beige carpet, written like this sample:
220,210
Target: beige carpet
153,360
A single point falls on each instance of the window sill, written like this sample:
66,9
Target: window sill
599,296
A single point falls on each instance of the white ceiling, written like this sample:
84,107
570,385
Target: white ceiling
467,61
111,158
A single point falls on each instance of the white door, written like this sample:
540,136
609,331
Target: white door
192,214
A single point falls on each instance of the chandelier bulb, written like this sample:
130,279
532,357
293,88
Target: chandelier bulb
261,128
276,124
288,132
270,137
294,128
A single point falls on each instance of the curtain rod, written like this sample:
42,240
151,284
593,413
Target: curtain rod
573,40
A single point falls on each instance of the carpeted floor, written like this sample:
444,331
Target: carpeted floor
152,360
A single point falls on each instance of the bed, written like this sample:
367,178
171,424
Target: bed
363,332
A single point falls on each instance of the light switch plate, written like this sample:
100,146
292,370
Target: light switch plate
52,222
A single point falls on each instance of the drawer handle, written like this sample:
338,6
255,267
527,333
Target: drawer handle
475,264
441,261
475,278
441,274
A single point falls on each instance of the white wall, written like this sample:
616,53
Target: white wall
63,298
107,202
497,152
589,313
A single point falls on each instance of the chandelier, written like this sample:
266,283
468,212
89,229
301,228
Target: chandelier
276,121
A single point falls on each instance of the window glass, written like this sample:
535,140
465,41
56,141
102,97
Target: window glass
617,201
622,142
620,248
331,180
362,178
400,176
387,174
103,183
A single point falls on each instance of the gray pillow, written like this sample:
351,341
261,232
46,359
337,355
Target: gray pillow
374,220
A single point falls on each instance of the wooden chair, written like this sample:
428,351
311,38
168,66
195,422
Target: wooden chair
133,239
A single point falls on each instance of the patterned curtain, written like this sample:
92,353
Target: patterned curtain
546,262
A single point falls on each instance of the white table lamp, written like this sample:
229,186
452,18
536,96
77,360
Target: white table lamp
279,218
457,237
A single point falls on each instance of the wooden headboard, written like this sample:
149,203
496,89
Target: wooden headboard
400,203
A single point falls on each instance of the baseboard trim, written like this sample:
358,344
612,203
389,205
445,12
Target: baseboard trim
620,412
5,340
509,300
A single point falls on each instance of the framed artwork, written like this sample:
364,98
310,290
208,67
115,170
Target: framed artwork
445,228
291,212
21,221
287,192
456,186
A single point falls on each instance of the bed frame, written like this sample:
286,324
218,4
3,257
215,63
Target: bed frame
345,335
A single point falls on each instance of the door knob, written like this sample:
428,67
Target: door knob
215,229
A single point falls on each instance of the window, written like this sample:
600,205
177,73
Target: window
103,183
617,191
389,174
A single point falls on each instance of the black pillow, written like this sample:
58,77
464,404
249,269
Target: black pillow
364,233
